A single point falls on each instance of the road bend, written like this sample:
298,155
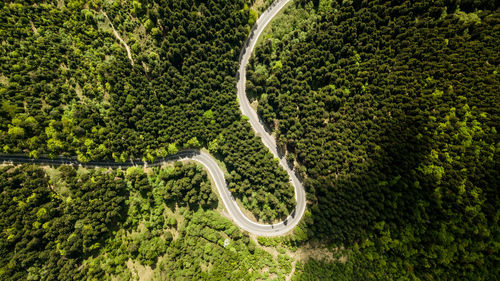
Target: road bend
206,159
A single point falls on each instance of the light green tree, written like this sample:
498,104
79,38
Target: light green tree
192,143
172,148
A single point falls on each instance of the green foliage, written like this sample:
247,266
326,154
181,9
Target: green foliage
106,219
391,110
67,87
285,263
201,254
60,64
193,143
186,185
259,6
172,148
150,250
266,241
255,177
39,223
252,18
318,270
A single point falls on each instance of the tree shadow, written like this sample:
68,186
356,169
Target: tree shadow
381,188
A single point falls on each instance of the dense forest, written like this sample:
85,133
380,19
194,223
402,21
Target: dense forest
68,87
390,110
45,235
62,223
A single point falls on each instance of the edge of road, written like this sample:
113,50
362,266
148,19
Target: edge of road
206,159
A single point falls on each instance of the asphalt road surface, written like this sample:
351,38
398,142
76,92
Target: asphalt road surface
207,160
258,126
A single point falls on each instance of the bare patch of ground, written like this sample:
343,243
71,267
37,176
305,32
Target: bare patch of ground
44,104
317,252
56,184
312,250
178,217
79,91
263,270
13,167
63,66
271,250
140,31
106,97
4,80
206,267
139,272
254,104
33,28
258,5
115,33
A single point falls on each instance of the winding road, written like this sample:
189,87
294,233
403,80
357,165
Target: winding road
207,160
